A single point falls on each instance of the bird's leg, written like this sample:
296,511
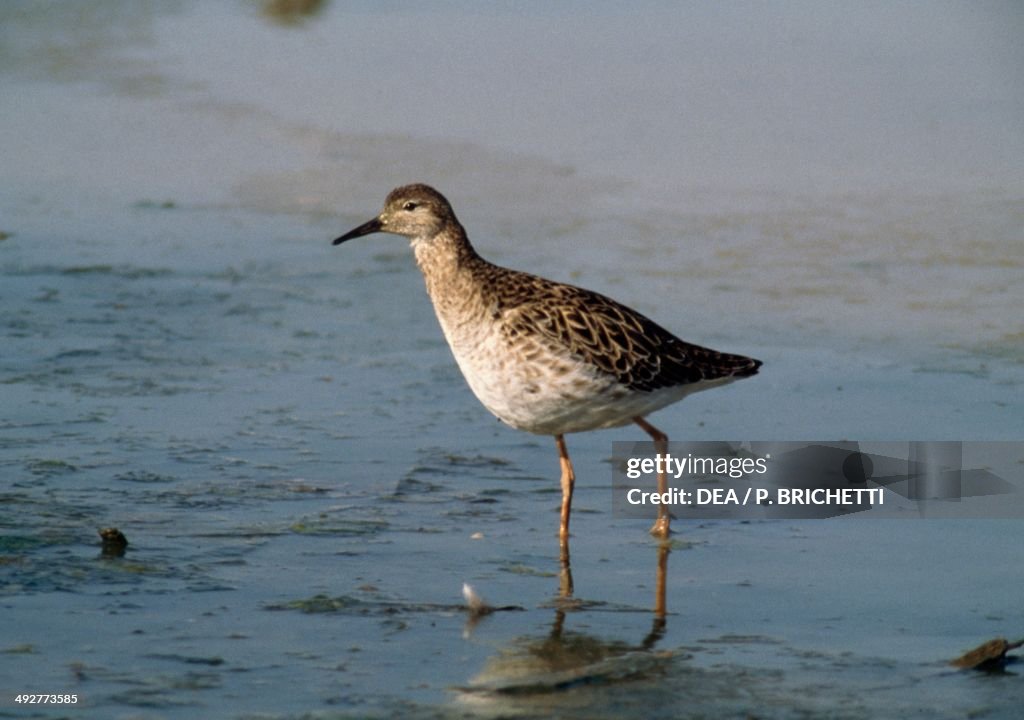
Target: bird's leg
568,480
660,528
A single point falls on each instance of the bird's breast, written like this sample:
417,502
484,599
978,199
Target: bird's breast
527,381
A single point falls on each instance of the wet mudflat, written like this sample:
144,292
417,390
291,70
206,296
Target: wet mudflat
303,478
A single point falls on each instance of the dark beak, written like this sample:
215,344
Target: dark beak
364,229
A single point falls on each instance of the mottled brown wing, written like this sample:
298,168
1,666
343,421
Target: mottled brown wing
640,353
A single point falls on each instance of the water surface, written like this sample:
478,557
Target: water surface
304,478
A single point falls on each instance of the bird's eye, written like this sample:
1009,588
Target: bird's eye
410,206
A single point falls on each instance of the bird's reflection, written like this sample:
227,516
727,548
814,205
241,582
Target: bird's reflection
565,590
292,12
529,669
565,586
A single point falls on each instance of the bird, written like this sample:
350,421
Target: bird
543,356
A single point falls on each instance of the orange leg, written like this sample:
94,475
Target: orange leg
660,528
568,480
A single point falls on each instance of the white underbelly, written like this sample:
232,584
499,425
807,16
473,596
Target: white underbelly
532,388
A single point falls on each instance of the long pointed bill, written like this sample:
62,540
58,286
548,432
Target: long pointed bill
368,228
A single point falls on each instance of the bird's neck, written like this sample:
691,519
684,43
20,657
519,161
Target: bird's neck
450,268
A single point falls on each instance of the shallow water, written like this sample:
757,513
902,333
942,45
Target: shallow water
303,477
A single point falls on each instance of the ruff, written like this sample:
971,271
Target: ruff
543,356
